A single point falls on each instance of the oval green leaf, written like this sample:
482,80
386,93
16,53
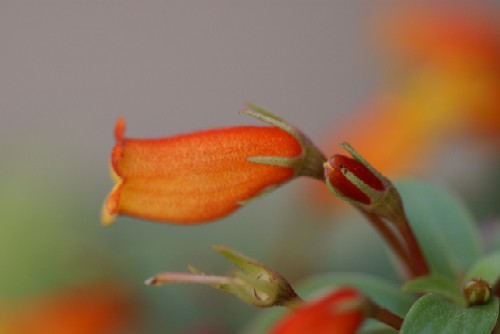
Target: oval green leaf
442,225
487,267
441,285
433,314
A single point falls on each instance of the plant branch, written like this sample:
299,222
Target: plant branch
391,238
385,316
416,255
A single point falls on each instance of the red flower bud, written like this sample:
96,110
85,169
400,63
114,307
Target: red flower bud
356,181
342,311
335,170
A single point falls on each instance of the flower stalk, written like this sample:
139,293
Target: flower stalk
392,240
416,256
385,316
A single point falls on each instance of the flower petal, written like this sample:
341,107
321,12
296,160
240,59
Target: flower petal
195,177
340,312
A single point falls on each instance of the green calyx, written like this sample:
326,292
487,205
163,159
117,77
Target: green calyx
263,287
308,163
252,282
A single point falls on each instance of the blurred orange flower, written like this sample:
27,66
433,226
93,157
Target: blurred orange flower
96,308
446,83
455,54
205,175
441,34
340,312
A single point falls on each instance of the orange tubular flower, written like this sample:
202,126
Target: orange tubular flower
94,308
340,312
206,175
458,50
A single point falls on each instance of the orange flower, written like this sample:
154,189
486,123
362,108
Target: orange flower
340,312
450,86
95,308
205,175
444,34
457,50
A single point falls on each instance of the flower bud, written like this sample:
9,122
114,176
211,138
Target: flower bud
356,181
339,312
255,283
477,291
206,175
339,166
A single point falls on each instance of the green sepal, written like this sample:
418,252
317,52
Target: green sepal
308,163
276,161
346,146
245,263
268,117
261,279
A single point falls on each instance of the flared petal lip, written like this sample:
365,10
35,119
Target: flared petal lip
110,207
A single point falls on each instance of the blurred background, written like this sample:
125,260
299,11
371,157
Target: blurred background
416,91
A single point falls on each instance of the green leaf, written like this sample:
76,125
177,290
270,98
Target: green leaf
487,267
382,292
433,314
378,329
437,284
443,227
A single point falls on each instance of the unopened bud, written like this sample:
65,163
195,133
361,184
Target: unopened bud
348,177
356,181
264,287
254,283
477,291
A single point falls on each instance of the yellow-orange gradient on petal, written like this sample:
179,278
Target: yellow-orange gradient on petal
196,177
95,308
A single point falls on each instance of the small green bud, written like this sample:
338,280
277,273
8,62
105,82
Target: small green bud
477,291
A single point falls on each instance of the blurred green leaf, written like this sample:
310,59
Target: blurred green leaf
442,225
379,329
487,267
433,314
441,285
382,292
